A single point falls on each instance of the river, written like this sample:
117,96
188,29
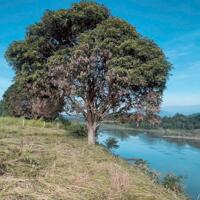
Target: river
165,156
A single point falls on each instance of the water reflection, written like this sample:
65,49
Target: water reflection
120,134
184,142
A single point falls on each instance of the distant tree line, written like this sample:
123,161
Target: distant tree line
178,121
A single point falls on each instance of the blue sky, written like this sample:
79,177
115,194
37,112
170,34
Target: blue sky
174,25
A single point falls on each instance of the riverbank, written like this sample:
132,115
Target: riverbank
49,163
160,132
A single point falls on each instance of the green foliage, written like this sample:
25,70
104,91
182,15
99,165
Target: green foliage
60,123
87,62
77,130
112,70
64,121
173,182
11,121
178,121
56,31
17,101
111,143
169,181
141,162
144,166
54,36
3,109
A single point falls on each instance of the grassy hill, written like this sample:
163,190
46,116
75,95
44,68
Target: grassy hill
49,164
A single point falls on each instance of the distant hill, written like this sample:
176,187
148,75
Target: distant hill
186,110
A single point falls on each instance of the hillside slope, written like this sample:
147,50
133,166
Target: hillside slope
49,164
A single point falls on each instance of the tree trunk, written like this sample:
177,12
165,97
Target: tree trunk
91,136
92,124
91,128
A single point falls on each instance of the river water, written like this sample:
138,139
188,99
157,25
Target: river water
165,156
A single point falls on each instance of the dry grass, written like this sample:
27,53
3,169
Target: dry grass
49,164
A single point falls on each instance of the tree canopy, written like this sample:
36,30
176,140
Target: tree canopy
89,62
55,34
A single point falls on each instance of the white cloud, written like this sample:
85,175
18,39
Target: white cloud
184,38
184,46
174,52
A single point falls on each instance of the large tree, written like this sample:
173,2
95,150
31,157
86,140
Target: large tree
96,64
112,69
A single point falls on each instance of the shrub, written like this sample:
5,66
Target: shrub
65,123
140,162
173,182
111,143
77,130
3,169
144,166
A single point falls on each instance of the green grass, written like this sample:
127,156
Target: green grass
39,163
6,121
